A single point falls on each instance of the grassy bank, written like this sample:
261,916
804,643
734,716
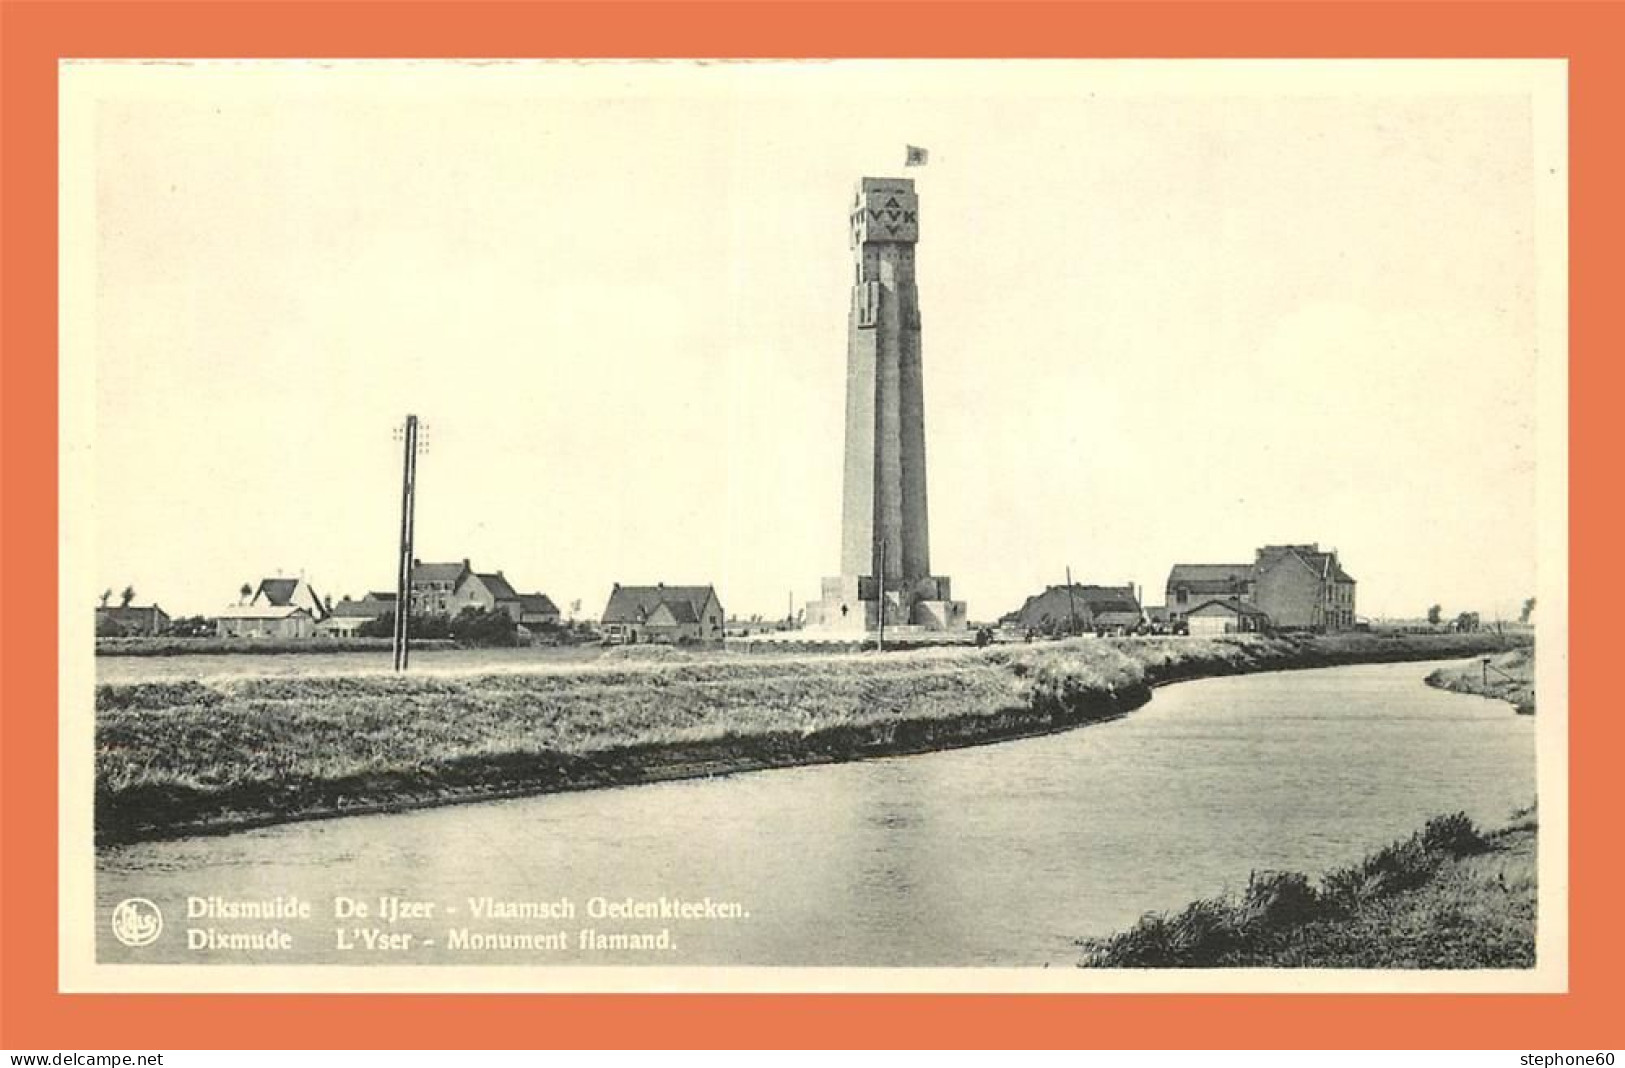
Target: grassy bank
1508,676
190,757
1449,896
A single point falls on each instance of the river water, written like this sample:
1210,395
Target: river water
996,855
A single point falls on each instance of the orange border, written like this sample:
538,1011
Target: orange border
34,34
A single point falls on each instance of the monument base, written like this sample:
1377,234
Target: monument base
853,604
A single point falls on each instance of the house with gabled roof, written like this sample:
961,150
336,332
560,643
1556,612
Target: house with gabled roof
1082,607
488,592
537,611
264,620
1304,588
130,620
663,614
450,589
1296,586
1190,585
349,616
1225,615
434,587
282,592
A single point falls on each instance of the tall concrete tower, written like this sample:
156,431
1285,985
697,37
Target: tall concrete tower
884,524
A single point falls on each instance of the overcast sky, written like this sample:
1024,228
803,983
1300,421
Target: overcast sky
1170,311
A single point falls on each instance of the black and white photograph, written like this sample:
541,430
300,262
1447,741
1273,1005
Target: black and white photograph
845,525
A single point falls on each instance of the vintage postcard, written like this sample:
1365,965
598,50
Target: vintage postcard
1002,525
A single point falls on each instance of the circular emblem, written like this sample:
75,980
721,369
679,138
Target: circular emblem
137,922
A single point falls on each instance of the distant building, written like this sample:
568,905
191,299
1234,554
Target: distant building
129,620
1092,607
663,614
537,610
1225,616
285,592
447,589
434,587
1190,585
349,616
1296,587
488,593
265,621
1303,588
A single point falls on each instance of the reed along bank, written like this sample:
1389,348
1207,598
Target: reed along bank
1449,896
190,757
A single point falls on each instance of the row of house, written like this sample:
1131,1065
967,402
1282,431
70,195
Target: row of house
291,608
1285,587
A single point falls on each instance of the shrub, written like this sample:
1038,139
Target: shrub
427,628
1279,899
1454,835
477,627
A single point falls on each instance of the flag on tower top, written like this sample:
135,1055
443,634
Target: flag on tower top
915,156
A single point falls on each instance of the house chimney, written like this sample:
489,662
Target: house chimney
416,562
465,561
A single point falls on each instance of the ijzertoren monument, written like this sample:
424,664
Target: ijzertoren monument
885,535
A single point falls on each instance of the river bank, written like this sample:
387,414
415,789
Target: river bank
1449,896
189,757
1508,677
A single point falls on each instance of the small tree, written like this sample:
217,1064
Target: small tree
1527,610
107,595
126,597
1434,615
244,592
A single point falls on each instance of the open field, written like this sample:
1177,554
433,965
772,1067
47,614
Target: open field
114,647
1509,677
187,756
1450,896
322,658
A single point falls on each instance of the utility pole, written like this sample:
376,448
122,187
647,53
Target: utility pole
881,643
1071,605
408,435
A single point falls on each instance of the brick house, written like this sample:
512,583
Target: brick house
488,593
537,610
1191,585
130,620
434,587
1297,587
663,614
1226,616
349,616
1093,607
1303,588
265,621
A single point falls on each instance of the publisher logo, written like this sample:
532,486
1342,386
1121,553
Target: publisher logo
137,922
